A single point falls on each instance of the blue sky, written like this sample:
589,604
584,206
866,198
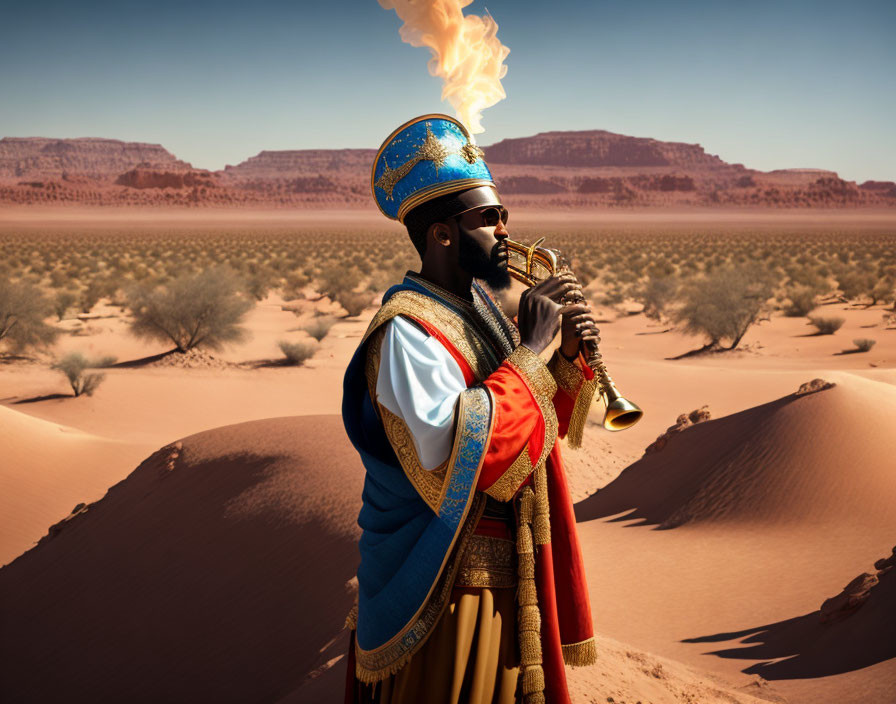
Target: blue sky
767,84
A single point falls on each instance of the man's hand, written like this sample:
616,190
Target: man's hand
540,309
578,323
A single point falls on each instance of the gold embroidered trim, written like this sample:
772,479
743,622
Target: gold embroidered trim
440,189
543,387
375,665
506,485
580,654
429,483
458,332
487,562
572,380
541,523
536,373
567,374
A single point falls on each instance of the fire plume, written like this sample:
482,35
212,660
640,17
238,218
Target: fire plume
466,53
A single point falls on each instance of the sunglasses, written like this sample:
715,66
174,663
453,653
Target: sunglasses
490,216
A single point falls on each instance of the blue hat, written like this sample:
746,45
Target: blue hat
428,157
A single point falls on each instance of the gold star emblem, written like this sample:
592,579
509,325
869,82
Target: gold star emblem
432,150
471,152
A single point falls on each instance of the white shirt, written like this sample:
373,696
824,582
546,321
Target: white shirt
419,381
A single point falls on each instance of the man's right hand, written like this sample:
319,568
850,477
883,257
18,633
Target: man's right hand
539,311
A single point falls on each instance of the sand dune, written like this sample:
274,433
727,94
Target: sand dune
824,457
224,562
766,513
216,571
46,470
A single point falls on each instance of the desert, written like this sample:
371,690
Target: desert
184,529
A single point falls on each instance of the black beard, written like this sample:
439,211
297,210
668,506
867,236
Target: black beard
492,269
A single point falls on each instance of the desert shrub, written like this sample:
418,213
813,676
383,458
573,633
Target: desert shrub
802,301
62,302
58,278
260,282
724,303
883,291
335,280
293,284
855,284
864,343
192,310
353,303
297,352
826,326
23,308
319,327
74,366
656,295
91,294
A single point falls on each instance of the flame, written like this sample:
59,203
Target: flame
466,53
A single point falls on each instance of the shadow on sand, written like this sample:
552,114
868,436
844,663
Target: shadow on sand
802,647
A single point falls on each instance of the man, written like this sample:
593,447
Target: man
471,588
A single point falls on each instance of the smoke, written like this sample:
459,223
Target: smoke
466,53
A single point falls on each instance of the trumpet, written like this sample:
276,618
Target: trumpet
531,264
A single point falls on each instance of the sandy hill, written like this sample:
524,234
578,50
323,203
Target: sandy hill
221,570
824,457
592,168
47,469
216,571
719,549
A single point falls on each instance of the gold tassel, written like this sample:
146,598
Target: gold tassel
541,520
525,593
351,621
579,416
579,654
533,680
528,614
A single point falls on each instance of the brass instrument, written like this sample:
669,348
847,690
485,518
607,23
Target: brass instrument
531,264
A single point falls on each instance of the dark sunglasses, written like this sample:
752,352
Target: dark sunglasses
490,216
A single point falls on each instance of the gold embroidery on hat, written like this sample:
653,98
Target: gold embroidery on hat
432,149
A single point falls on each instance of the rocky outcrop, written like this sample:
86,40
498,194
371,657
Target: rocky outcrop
35,158
302,162
857,592
589,169
143,177
685,420
598,148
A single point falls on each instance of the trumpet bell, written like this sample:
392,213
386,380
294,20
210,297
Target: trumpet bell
621,414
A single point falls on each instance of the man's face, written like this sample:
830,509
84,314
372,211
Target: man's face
481,249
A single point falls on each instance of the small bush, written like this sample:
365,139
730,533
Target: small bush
864,344
74,366
802,301
354,303
657,294
192,310
63,301
319,327
23,308
297,352
724,303
826,326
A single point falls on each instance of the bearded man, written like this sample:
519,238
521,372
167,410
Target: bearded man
471,586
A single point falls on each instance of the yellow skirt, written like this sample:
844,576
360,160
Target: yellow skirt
471,657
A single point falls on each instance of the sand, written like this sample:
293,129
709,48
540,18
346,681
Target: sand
220,569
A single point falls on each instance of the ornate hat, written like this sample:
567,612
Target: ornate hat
428,157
